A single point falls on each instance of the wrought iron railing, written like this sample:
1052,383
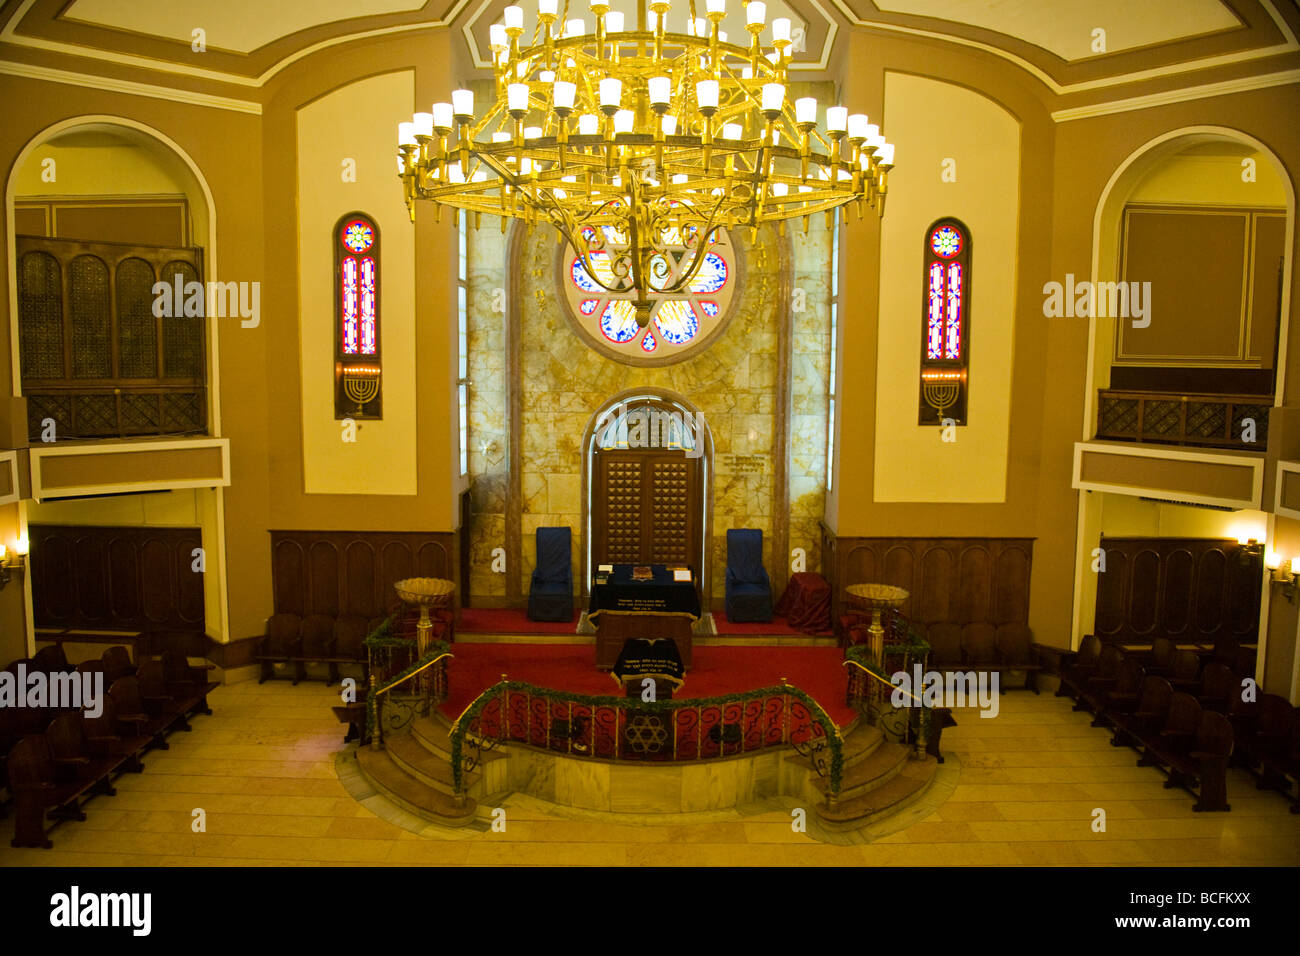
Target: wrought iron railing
1238,421
424,684
115,411
627,729
871,690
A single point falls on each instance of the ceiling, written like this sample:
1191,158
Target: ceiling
1161,43
238,25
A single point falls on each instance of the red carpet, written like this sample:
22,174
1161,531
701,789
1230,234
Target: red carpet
716,670
777,627
505,620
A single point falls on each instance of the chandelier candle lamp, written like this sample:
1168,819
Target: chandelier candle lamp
631,142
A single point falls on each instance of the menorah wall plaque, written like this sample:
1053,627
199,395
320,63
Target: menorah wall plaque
360,384
943,396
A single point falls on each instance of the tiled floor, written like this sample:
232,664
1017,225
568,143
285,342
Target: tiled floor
263,770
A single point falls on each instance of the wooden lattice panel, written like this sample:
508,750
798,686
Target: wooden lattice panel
670,500
623,511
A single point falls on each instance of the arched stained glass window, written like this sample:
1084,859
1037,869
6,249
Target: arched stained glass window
357,366
945,339
679,321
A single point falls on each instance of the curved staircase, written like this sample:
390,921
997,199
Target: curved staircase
413,770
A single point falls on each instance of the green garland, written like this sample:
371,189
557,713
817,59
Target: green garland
835,741
860,654
436,650
383,636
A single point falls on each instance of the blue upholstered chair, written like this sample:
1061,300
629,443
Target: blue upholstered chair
550,595
749,592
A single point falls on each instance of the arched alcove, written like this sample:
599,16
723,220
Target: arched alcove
1141,174
99,157
665,431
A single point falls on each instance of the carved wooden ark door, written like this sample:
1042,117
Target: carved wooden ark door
646,507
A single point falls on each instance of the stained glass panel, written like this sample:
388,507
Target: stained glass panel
946,242
368,306
952,342
619,321
712,275
348,293
676,321
934,325
359,236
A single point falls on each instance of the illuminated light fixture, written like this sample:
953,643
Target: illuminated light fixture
672,137
11,560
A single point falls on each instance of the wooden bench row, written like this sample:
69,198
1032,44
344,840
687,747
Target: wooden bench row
1191,721
53,774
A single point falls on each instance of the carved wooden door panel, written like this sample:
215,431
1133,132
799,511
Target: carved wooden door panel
646,508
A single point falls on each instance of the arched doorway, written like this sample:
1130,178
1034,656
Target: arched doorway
648,468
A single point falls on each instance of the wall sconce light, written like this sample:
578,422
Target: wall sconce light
1285,573
12,560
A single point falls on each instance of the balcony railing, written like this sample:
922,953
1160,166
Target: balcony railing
115,411
1216,421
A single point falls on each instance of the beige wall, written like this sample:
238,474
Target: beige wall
356,122
939,121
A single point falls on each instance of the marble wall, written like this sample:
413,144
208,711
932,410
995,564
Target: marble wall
489,426
564,383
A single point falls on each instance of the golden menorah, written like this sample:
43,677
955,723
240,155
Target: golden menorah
361,384
940,393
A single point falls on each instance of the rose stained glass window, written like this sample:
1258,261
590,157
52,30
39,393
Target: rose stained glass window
678,321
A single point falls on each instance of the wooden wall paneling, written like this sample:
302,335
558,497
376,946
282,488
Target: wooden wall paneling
189,586
360,598
934,597
1011,583
1176,591
91,578
115,577
1241,614
323,575
1144,592
435,559
1187,589
1112,593
975,584
1211,579
397,563
289,576
352,572
124,589
949,579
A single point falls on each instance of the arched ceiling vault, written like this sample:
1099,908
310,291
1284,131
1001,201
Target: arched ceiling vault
1142,48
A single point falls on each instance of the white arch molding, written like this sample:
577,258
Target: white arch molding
1105,238
161,141
705,439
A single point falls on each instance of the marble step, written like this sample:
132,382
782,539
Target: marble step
884,763
428,768
859,745
411,794
901,790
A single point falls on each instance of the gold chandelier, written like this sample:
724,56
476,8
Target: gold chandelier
637,145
